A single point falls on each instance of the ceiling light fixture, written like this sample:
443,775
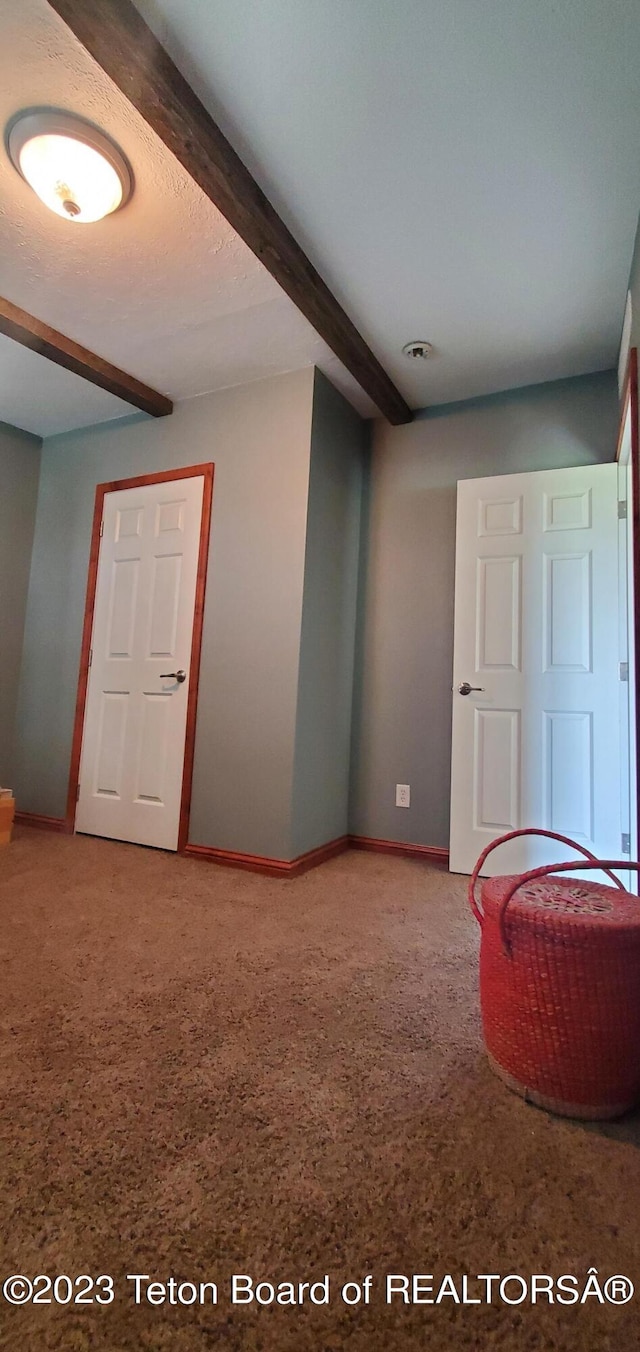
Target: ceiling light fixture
74,168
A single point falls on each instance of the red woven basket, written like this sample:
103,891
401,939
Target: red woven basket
560,984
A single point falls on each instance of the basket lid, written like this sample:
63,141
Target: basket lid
557,899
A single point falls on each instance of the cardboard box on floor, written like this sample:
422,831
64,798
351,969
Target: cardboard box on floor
7,810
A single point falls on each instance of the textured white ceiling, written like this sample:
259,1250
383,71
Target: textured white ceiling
458,171
466,173
163,289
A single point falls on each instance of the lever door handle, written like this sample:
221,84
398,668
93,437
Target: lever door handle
465,689
179,676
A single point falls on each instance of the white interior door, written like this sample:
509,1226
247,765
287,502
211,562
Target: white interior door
626,621
136,710
536,628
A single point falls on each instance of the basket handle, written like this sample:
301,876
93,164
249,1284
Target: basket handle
604,864
512,835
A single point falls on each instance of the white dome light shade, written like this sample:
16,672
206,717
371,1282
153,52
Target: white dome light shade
72,166
71,178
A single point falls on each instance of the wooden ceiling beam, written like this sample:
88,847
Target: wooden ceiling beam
119,40
33,333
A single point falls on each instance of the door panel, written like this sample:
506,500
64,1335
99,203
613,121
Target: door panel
536,629
502,517
498,614
568,773
135,720
566,604
155,713
165,601
122,607
497,778
109,777
567,511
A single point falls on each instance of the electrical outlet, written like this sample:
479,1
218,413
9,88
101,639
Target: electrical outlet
403,795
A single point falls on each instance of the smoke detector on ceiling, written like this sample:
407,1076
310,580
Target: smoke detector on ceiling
418,348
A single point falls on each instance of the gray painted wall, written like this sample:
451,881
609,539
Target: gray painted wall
322,758
259,438
402,714
19,471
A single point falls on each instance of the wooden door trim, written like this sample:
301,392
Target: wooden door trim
114,486
630,406
196,652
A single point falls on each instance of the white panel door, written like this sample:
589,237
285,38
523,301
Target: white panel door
136,710
536,629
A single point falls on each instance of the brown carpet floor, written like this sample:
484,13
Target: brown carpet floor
206,1072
